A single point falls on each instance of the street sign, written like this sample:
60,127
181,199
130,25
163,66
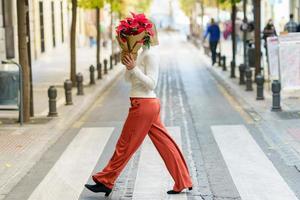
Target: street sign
273,57
284,60
289,51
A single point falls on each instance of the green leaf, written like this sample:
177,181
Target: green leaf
91,4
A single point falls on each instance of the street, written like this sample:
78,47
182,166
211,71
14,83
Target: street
227,150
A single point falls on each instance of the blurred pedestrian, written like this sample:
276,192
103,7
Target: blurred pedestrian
227,30
291,26
298,28
92,34
269,31
238,35
213,31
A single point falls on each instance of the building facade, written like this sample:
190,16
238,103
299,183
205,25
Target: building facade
279,11
49,22
49,25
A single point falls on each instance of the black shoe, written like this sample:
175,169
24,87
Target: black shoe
176,192
98,187
173,192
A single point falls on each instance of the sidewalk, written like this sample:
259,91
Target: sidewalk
22,147
281,130
53,68
290,99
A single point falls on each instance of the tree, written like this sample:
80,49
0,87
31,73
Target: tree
142,6
233,35
23,57
188,7
73,43
257,45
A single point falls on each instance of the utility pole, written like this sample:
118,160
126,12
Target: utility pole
73,43
218,13
257,37
98,35
29,57
23,56
233,36
111,26
245,30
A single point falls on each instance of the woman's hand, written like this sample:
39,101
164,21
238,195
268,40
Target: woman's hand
128,61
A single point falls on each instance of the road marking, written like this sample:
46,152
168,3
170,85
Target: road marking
252,172
153,180
72,170
235,104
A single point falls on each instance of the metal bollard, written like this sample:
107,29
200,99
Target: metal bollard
68,92
110,62
260,80
116,58
219,59
232,69
276,88
99,70
224,63
92,75
248,79
242,68
52,94
105,66
79,81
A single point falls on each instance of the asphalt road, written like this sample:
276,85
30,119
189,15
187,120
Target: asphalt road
224,166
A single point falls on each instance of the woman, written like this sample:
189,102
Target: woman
269,31
143,118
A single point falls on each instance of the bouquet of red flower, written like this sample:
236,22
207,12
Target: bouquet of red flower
133,32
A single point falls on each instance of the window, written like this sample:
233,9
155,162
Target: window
62,22
8,28
53,23
42,31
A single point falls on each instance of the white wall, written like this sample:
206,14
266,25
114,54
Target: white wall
2,35
48,25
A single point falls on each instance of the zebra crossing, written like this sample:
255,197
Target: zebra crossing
71,171
253,174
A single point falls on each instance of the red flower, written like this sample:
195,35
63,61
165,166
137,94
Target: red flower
134,25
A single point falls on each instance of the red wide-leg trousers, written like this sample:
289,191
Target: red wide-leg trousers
144,118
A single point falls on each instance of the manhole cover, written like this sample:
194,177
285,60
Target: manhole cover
40,120
289,114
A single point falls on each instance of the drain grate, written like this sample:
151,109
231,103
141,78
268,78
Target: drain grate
285,115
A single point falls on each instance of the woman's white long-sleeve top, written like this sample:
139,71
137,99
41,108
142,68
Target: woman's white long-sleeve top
143,77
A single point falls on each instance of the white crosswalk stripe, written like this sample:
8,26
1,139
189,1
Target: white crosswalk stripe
153,179
252,172
71,171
